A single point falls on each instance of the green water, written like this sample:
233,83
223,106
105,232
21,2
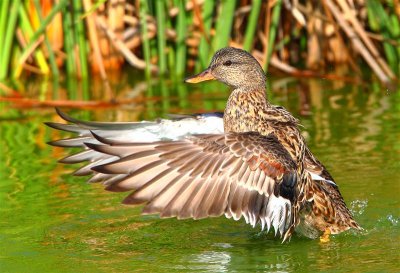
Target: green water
53,222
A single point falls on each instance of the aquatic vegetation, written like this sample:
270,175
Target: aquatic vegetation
171,36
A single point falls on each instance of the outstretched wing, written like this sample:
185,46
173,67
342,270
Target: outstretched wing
236,174
144,131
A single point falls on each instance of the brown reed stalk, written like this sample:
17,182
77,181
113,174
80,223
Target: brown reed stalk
357,42
93,38
349,14
178,34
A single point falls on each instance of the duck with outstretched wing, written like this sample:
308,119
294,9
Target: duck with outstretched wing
250,162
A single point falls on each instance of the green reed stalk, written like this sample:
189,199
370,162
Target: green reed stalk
52,59
181,39
171,59
252,25
72,88
388,30
3,22
161,41
80,37
26,27
224,24
170,52
272,33
144,9
153,47
8,39
69,42
166,96
395,27
204,47
380,22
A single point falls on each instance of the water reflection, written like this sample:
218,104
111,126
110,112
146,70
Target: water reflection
71,226
240,258
210,261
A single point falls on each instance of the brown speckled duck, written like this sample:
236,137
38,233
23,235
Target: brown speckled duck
258,167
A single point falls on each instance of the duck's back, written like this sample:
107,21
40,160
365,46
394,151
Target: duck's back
251,112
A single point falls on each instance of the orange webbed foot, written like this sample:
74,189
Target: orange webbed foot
325,237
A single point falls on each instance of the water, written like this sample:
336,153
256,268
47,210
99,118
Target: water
51,221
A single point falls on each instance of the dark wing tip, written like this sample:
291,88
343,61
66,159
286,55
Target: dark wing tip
81,172
101,148
53,143
101,139
93,146
128,201
51,124
57,143
115,188
102,169
67,117
67,160
63,115
57,126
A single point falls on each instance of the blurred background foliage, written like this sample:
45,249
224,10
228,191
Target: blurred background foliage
329,38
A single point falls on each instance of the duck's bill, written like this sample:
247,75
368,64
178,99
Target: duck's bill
203,76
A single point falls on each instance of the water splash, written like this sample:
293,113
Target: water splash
392,220
357,207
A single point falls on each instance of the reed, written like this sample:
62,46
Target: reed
144,36
170,50
69,41
52,58
388,26
161,39
181,38
252,25
205,21
40,30
80,38
272,31
28,33
3,21
8,37
224,23
171,36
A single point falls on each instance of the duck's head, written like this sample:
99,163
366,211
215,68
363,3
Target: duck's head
234,67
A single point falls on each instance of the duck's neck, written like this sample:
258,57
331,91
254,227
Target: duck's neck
243,109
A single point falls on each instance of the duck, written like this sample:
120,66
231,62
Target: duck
251,162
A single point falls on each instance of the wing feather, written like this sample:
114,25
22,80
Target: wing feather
219,204
188,204
147,190
236,174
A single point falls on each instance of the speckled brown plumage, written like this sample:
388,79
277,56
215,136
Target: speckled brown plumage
260,168
319,203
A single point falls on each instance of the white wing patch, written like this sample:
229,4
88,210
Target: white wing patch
276,214
175,130
317,177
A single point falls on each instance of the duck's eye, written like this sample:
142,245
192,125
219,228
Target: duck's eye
227,63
